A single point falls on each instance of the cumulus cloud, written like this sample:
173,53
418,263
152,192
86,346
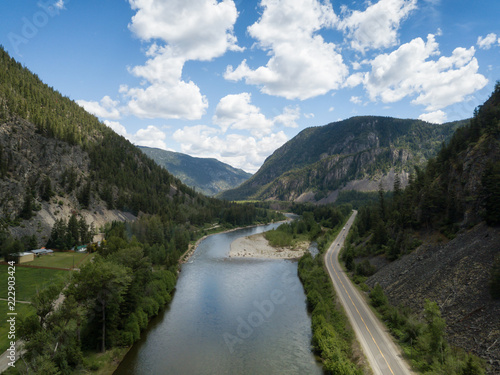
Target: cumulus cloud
377,26
355,100
289,117
240,151
106,108
196,29
117,127
150,137
410,70
179,31
488,41
436,117
180,100
302,64
236,112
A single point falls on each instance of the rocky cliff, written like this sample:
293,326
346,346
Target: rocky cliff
30,160
358,153
456,276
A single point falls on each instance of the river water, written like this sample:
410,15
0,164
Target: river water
229,316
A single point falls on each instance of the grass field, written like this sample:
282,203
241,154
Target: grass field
58,260
28,281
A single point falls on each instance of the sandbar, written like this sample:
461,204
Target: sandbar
256,246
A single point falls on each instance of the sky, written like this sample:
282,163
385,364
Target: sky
236,79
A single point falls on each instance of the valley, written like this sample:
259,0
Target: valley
423,248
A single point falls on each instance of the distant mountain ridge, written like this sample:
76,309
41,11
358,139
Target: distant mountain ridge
209,176
356,154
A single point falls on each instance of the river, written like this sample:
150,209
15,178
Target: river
229,316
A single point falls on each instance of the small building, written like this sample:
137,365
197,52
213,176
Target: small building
23,257
39,252
81,248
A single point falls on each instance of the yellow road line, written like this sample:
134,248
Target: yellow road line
343,286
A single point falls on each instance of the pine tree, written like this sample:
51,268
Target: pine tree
46,191
57,238
27,210
73,232
397,187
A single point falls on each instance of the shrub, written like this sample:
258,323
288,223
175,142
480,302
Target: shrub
377,296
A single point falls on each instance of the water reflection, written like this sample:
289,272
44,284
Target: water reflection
229,316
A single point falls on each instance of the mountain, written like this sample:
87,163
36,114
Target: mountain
208,176
56,160
354,154
439,238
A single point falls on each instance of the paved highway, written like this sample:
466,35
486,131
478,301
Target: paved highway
382,354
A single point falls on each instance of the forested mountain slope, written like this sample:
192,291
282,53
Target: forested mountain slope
208,176
356,153
439,238
56,160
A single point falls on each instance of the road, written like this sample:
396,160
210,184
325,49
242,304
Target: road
382,354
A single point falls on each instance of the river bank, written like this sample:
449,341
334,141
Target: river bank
215,297
257,246
193,246
108,362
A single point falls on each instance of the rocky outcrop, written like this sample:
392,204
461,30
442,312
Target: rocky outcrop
30,158
456,276
319,161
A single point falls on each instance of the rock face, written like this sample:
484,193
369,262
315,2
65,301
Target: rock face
208,176
354,154
456,276
30,159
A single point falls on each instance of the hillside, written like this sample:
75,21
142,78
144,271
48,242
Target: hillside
438,238
208,176
355,154
57,160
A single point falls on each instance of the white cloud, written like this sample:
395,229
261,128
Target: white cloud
179,31
410,71
150,137
196,29
245,152
106,108
436,117
488,41
302,64
180,100
117,127
236,112
377,26
355,100
289,117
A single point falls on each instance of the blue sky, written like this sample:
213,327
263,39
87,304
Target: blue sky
236,79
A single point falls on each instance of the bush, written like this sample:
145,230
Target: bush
377,296
365,268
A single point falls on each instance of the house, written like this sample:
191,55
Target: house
39,252
23,257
